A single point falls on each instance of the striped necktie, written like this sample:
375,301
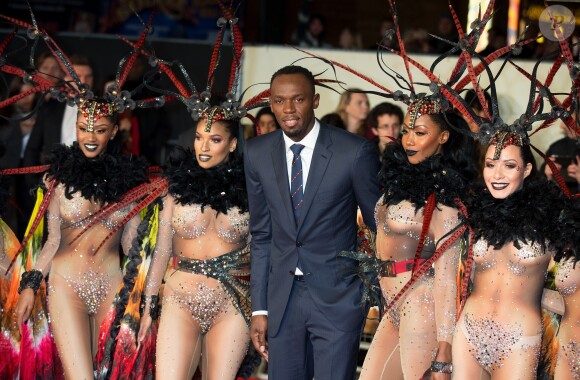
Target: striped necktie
296,185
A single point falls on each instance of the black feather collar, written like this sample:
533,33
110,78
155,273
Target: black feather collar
537,213
102,179
402,180
221,187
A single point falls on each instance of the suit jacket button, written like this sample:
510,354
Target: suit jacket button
299,244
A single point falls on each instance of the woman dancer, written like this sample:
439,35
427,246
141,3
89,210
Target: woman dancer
84,278
432,166
567,283
204,227
514,219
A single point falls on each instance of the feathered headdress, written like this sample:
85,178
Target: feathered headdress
73,92
198,102
116,100
442,96
542,106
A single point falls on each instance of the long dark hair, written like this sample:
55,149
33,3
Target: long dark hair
528,158
459,151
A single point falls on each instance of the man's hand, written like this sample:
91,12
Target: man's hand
258,333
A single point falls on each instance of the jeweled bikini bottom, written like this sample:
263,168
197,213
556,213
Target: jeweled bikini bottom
492,342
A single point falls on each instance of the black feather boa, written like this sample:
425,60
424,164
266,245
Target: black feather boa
539,212
402,180
221,187
103,179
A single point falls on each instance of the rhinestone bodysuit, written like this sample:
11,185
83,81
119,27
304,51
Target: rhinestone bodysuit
185,226
88,273
567,282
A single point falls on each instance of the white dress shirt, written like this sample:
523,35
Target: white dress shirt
68,128
309,141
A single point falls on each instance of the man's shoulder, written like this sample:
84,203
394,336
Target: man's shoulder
263,141
51,109
52,105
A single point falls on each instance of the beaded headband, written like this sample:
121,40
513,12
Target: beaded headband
505,138
94,110
213,114
420,107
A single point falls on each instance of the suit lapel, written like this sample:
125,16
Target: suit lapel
281,169
320,159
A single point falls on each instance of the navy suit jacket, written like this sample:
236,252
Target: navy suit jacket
343,174
46,134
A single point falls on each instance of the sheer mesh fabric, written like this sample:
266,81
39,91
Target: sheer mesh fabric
198,318
567,283
505,280
406,340
82,282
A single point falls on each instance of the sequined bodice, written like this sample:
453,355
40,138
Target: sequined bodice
567,277
189,222
508,284
398,231
77,212
516,260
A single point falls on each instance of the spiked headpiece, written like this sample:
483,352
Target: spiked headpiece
198,103
73,92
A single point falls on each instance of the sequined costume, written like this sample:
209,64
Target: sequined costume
510,266
9,246
81,255
496,335
7,239
82,282
567,283
205,302
407,337
7,242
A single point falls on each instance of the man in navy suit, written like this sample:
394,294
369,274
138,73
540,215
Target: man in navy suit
305,182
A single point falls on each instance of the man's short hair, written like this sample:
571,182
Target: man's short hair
382,109
80,60
295,70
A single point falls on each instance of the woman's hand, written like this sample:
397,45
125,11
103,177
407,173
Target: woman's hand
440,376
24,307
443,355
144,327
